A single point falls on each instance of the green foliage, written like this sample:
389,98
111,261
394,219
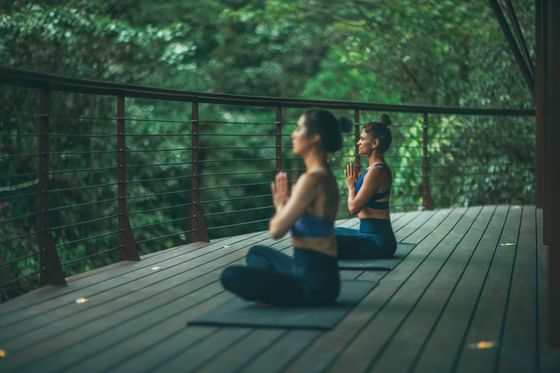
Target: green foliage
400,52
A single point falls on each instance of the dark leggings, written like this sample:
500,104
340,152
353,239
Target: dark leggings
374,240
308,279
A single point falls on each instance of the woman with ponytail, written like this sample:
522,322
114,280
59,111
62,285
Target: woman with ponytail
368,198
311,276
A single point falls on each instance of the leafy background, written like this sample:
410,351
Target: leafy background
400,52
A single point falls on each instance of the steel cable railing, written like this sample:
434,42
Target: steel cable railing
172,167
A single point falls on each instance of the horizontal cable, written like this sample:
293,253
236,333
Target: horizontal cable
235,147
237,211
213,134
164,236
156,150
233,122
157,120
113,151
237,160
23,155
158,179
238,173
158,164
19,217
158,194
85,222
82,204
160,208
158,134
25,175
238,224
4,264
83,188
21,196
84,258
19,237
161,223
233,186
101,119
68,243
4,284
235,199
78,170
72,135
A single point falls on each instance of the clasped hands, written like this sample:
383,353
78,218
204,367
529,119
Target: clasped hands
280,190
351,174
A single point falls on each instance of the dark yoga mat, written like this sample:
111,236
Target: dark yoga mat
403,249
240,313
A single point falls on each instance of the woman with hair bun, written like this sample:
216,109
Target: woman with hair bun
368,198
311,276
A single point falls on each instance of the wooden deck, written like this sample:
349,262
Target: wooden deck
469,298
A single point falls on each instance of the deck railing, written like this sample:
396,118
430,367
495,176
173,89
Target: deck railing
165,167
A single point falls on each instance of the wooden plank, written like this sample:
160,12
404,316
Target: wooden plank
364,351
188,359
238,354
22,309
548,360
109,289
487,319
419,220
43,294
447,262
324,350
276,356
98,338
443,345
143,297
518,349
424,227
163,331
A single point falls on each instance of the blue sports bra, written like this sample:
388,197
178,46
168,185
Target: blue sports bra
312,226
373,202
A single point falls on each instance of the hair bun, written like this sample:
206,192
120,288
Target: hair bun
385,119
344,124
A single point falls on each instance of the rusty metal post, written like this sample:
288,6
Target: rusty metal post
427,201
197,217
127,245
278,136
550,13
356,136
49,262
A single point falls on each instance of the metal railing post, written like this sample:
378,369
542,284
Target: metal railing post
197,217
427,202
356,136
278,136
127,245
49,261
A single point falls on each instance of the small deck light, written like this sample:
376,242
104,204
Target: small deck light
507,244
483,345
226,246
3,354
81,300
156,268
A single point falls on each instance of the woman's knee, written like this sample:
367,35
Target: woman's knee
231,276
257,254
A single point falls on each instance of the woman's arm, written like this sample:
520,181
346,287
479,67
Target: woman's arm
288,210
357,201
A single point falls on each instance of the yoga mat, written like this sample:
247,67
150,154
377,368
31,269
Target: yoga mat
403,249
240,313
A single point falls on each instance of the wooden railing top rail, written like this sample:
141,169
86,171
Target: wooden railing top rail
25,78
